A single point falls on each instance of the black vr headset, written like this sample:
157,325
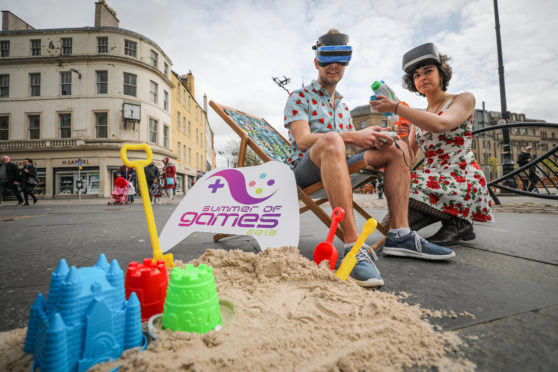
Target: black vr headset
422,55
333,48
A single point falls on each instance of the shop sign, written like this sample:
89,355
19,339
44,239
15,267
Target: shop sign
259,201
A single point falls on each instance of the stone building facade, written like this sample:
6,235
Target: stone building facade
75,95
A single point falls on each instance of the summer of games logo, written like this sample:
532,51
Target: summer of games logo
237,186
248,213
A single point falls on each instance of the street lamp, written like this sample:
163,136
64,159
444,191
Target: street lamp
227,154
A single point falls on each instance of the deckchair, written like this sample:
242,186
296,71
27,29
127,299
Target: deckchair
269,145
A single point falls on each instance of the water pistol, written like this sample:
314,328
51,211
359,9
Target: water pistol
381,88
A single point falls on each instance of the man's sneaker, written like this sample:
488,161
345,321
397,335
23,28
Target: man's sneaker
365,272
414,245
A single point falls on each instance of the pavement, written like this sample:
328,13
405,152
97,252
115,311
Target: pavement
500,292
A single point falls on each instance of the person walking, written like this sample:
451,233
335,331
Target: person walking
530,183
28,180
9,177
169,174
151,174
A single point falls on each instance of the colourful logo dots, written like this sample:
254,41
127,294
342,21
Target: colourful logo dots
262,176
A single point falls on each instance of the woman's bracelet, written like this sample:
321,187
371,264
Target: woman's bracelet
395,110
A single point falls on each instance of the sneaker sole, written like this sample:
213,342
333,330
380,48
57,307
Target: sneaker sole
370,283
400,252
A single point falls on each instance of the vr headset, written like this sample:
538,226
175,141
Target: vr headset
333,48
422,55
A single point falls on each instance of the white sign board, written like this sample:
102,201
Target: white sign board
259,201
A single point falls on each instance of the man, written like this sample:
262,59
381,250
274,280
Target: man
9,177
151,172
524,158
320,127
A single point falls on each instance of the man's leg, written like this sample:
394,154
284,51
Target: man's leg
328,154
396,181
15,190
2,188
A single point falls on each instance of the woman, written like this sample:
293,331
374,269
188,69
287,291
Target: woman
450,187
28,180
169,177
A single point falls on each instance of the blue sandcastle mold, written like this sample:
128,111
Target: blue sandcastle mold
85,320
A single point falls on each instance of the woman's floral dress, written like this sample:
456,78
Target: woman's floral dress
451,180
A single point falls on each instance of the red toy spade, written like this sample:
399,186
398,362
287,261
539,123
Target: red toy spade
326,250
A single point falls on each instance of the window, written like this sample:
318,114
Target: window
197,160
189,103
363,124
66,83
4,128
178,120
65,125
36,47
67,46
153,91
153,124
184,97
4,85
474,145
34,126
102,44
543,134
166,136
166,101
384,123
130,84
5,48
183,124
532,132
35,85
184,152
197,136
178,93
102,82
130,48
189,155
201,140
154,57
101,125
166,69
189,129
179,148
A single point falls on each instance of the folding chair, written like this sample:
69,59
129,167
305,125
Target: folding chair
269,145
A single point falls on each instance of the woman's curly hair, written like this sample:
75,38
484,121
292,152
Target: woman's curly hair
443,68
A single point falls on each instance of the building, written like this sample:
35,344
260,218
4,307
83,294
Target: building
72,96
487,146
192,138
364,116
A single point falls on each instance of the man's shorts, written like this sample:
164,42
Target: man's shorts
307,173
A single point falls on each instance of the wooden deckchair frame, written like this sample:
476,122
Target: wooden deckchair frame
306,195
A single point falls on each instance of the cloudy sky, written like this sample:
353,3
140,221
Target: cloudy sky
235,47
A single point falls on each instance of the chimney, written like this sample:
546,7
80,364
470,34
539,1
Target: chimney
205,103
190,83
11,22
104,15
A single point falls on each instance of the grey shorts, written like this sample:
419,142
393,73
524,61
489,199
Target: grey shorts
307,173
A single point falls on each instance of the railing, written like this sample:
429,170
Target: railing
541,173
39,144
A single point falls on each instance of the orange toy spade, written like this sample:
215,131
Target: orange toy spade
326,250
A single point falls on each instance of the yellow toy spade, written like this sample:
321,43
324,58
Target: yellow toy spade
139,165
350,260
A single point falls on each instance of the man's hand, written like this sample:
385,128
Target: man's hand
370,137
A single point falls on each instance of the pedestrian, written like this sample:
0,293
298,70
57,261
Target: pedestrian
9,178
151,174
169,174
381,188
28,180
156,191
530,183
451,186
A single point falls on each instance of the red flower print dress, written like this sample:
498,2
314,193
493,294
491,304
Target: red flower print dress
451,181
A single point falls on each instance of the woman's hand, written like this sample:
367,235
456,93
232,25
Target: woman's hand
403,131
383,104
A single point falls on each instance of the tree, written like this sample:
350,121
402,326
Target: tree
231,152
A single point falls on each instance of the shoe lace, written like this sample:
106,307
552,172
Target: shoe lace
364,254
418,242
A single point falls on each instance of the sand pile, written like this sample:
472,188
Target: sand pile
289,315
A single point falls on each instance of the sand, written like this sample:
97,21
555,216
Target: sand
289,315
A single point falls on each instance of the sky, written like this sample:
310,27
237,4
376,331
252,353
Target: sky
234,48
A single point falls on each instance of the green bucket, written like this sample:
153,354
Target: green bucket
192,304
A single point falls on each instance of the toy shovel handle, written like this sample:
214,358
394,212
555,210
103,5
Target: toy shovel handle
367,229
148,210
336,217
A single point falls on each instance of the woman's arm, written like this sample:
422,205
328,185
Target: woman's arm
460,110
